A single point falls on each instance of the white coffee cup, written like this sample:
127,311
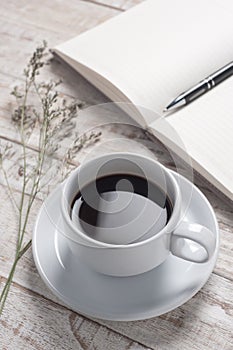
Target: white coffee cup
137,257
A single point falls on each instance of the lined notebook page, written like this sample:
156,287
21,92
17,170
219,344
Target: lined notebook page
157,49
206,130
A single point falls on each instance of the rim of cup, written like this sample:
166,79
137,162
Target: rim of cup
168,228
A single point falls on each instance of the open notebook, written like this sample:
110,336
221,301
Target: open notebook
153,52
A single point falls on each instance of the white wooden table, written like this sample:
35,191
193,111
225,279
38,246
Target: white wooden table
33,317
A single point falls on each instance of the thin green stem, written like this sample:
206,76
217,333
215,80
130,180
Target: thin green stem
9,187
5,295
6,288
27,87
25,248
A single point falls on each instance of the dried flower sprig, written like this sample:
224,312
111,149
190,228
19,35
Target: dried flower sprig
54,120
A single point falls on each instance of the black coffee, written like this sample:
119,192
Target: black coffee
117,200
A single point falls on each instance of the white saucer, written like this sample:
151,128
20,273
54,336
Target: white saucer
120,298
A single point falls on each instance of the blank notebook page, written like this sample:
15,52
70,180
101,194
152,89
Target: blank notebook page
206,130
157,49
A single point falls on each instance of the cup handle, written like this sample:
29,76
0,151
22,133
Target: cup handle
196,233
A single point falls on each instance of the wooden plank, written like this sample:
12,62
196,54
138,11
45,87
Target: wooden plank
32,322
63,19
20,37
205,322
24,26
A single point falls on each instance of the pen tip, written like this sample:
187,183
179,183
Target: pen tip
165,110
177,103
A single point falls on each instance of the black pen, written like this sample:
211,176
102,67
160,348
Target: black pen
201,88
